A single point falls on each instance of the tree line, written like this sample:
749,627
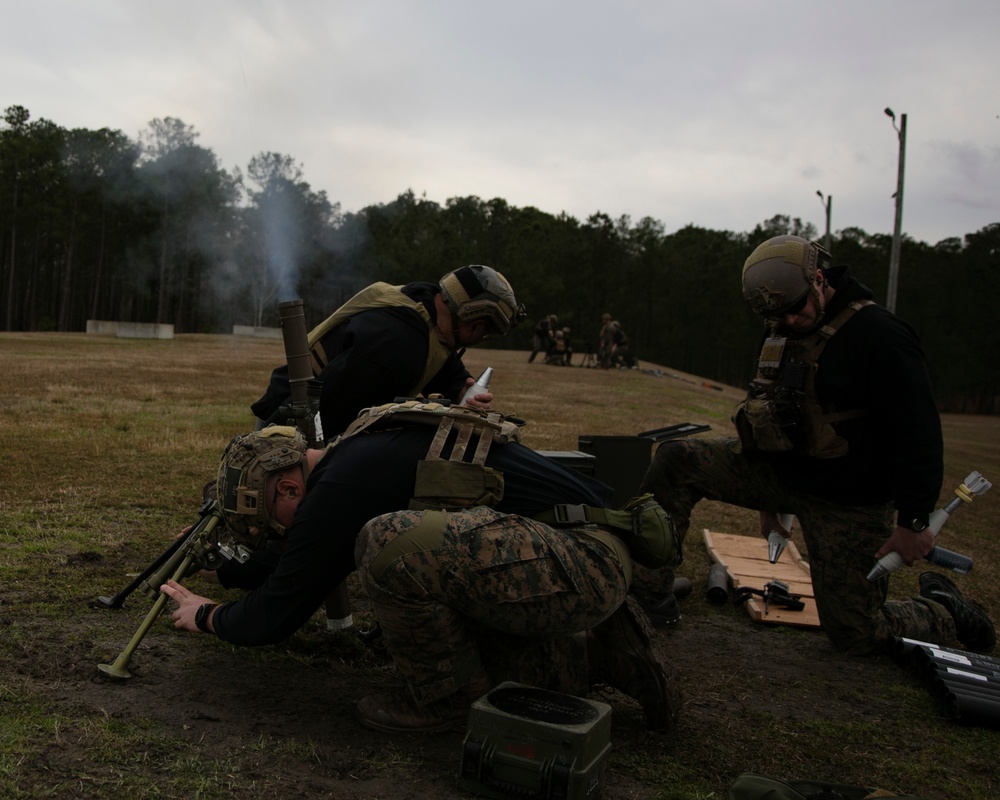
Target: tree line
95,225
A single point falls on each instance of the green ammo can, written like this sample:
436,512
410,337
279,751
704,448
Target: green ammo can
528,742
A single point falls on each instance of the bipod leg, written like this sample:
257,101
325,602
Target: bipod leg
118,601
119,669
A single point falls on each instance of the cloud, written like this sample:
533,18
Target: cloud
721,113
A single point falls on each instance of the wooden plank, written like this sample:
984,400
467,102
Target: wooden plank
746,563
751,547
762,567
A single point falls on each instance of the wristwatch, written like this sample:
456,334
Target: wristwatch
201,617
916,525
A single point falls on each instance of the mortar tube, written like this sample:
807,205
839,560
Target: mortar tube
989,680
982,666
301,413
943,695
953,683
972,709
717,592
965,675
902,648
966,695
921,657
296,340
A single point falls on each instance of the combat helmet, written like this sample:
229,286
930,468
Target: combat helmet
779,273
248,461
478,292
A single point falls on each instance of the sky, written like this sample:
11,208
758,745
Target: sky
714,113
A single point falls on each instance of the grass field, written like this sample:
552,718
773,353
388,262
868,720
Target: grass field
105,445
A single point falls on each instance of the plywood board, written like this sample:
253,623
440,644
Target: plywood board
746,563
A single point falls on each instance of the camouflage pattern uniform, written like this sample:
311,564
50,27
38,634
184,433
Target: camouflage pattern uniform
461,591
841,541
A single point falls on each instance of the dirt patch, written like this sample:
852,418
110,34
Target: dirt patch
284,718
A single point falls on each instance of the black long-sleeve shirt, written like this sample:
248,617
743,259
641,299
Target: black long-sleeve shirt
374,357
874,362
365,476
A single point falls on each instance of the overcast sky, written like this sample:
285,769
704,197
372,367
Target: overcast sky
719,113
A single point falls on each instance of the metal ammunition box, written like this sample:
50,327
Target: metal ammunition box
527,742
576,460
622,462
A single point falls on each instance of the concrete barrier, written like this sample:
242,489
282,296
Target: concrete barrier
102,327
144,330
130,330
257,332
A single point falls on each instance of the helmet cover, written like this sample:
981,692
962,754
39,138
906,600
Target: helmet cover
780,271
248,461
478,292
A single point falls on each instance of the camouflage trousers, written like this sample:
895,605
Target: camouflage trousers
460,592
841,541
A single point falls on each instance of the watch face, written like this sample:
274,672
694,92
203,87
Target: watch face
917,526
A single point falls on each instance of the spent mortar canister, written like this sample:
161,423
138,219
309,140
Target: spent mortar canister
975,484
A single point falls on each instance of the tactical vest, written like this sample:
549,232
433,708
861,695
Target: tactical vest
452,482
781,412
380,295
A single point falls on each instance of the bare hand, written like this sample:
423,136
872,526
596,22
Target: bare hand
910,545
481,400
188,604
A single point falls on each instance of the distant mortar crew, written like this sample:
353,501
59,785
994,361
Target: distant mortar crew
497,574
399,341
542,335
840,429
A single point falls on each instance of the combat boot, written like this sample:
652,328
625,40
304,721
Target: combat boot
622,654
398,711
973,627
663,610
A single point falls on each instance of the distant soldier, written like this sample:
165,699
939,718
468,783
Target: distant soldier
604,342
621,354
569,347
556,355
543,335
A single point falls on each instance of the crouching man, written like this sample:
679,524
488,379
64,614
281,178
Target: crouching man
505,565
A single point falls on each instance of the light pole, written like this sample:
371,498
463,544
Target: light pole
890,301
827,203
